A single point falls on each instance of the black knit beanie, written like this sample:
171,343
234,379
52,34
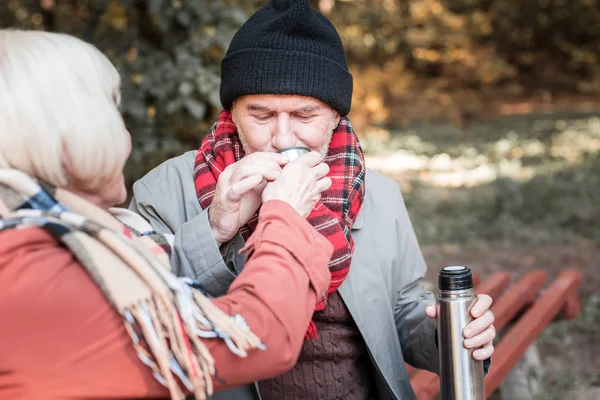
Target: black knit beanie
287,47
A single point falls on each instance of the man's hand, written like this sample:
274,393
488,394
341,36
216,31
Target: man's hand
480,333
300,184
238,192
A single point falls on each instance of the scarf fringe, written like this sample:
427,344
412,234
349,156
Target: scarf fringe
175,350
185,315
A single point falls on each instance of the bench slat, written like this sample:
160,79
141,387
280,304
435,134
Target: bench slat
517,297
530,325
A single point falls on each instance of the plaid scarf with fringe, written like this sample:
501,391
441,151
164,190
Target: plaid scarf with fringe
166,317
333,216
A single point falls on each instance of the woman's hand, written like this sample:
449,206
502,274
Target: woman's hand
300,183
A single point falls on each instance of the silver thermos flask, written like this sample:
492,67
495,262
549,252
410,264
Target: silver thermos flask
461,376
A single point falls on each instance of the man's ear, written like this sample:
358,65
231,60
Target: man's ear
233,113
337,117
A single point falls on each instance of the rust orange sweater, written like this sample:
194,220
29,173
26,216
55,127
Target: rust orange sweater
60,338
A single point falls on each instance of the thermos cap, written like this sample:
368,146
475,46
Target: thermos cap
455,278
294,152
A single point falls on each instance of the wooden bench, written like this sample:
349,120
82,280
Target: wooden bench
522,312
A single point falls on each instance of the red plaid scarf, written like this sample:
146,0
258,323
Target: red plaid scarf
333,216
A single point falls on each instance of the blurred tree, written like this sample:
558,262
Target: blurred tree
555,41
404,54
405,51
168,53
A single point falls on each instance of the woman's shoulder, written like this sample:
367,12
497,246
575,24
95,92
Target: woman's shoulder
25,247
26,238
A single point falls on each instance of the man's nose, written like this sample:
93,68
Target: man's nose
284,135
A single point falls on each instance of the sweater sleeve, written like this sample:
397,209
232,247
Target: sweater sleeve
62,339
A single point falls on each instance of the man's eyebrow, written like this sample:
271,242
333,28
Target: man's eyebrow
257,107
308,109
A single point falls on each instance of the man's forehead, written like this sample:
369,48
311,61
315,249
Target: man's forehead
281,103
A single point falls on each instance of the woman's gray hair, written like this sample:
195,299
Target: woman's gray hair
59,116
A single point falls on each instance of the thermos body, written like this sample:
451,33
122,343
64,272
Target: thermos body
461,376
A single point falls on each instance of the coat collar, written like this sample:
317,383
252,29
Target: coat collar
359,221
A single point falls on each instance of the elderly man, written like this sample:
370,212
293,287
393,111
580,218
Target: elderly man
285,83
